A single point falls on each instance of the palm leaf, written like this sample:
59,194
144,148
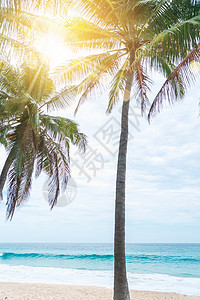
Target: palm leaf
20,175
96,82
100,12
167,91
175,41
82,30
141,84
61,99
117,85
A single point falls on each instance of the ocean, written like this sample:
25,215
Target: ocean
154,267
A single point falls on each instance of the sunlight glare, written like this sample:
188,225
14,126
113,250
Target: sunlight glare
53,48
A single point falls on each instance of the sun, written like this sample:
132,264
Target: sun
53,48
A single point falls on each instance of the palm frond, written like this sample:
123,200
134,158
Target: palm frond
55,163
20,175
174,42
76,69
62,130
93,69
137,10
4,129
142,82
61,99
53,152
96,83
82,30
9,79
177,83
117,85
157,10
93,45
54,183
100,12
161,65
170,13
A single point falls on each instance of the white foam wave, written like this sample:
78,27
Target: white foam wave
151,282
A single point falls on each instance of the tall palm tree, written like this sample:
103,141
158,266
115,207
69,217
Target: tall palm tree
118,42
32,138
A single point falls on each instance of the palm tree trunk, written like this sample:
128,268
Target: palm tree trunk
4,173
121,290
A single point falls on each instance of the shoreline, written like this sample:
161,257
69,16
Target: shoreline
40,291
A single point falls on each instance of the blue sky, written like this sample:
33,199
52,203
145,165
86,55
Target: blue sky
163,179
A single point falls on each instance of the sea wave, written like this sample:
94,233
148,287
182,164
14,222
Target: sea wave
151,282
130,257
9,255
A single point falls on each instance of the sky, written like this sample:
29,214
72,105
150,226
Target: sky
163,179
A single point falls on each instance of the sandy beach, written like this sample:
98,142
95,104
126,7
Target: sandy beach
26,291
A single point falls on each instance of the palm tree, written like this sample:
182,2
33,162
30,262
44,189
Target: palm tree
32,138
118,42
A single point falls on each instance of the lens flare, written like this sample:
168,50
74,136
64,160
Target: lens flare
53,48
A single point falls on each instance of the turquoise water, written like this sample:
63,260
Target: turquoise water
145,262
173,259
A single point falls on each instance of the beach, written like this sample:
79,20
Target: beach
45,269
26,291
